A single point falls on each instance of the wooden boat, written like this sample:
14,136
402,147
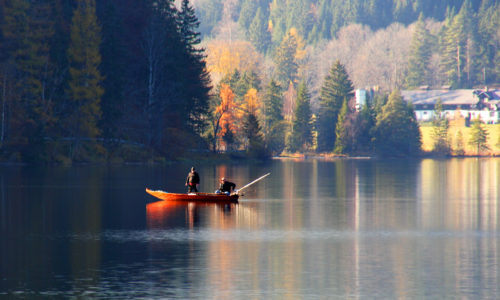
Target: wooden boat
194,197
202,197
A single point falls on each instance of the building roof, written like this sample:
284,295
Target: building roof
448,97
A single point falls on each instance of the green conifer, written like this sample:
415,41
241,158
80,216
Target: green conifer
336,87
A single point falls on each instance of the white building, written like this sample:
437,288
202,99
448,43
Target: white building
468,103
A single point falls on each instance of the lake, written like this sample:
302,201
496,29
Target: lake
313,229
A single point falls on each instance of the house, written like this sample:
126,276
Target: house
467,103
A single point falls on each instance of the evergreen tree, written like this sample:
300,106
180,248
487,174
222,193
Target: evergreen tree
196,79
336,87
459,144
440,130
247,13
478,137
488,47
301,136
210,16
277,19
341,140
321,29
286,60
27,76
251,127
84,86
274,125
257,32
396,131
420,54
361,130
114,71
228,136
458,48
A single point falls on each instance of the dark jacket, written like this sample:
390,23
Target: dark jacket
227,186
193,178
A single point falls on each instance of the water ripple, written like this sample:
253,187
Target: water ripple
210,235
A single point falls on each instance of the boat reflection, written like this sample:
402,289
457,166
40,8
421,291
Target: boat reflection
163,214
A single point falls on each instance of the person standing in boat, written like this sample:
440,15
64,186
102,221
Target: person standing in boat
226,187
192,181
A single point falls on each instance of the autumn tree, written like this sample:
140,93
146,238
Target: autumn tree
223,116
224,56
84,86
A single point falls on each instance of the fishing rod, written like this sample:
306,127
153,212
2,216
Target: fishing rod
249,184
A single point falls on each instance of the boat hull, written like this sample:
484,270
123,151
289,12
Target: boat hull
193,197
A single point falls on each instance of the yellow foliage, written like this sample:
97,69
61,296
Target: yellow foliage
223,57
252,102
301,44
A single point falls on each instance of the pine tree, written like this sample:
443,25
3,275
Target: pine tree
420,54
287,58
361,130
458,48
478,137
341,140
459,144
28,30
84,86
273,118
248,12
396,132
301,136
488,50
114,71
195,80
440,131
336,87
253,132
257,32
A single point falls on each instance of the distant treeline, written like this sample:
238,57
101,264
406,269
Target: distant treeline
322,19
86,80
127,80
455,42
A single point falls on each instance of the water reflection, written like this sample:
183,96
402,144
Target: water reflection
313,229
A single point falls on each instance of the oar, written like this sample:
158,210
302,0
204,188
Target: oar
249,184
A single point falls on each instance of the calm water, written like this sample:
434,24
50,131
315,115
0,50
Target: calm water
356,229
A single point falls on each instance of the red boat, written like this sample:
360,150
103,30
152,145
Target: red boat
194,197
202,197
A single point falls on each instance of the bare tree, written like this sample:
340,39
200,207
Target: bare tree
383,60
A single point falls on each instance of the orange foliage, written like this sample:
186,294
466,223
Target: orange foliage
223,57
226,110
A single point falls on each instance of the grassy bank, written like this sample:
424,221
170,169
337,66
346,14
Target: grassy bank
493,138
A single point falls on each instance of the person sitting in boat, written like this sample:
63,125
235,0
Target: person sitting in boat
226,187
192,181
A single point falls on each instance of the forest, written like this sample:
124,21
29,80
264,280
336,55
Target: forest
157,80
